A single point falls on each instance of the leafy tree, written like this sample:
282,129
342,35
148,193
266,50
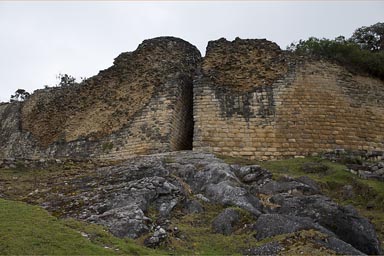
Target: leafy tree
65,80
370,38
20,95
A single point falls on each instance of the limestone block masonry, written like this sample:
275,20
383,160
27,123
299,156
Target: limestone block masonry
245,98
140,105
282,106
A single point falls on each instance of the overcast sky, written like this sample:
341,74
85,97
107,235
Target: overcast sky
39,40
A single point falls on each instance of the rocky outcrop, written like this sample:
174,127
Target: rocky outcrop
142,195
368,170
224,223
343,221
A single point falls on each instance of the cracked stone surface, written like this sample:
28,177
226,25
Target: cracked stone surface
121,198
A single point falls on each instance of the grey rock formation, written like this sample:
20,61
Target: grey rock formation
225,221
122,196
230,195
215,180
128,221
339,246
253,174
273,187
268,225
193,206
345,222
158,236
119,197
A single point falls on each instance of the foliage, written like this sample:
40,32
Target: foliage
370,38
353,53
107,147
65,80
20,95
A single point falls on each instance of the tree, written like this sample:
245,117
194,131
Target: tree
20,95
345,52
370,38
65,80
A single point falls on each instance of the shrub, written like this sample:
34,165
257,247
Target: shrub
352,53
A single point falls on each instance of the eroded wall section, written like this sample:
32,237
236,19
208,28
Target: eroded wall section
137,106
282,107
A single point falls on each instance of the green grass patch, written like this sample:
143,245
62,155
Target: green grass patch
107,147
99,236
30,230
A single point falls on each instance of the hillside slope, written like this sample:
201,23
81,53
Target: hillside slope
194,203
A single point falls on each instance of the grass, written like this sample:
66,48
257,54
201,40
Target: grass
99,236
30,230
107,147
17,183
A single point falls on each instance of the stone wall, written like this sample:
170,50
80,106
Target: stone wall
140,105
13,142
245,98
311,107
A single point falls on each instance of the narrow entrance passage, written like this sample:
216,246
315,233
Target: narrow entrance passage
182,123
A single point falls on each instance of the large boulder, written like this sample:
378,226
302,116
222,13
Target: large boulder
268,225
345,222
193,206
289,186
216,180
253,174
129,221
230,195
224,223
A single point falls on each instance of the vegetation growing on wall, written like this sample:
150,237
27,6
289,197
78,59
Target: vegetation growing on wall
20,95
362,53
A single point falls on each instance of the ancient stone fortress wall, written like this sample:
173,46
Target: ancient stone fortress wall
140,105
245,98
255,101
